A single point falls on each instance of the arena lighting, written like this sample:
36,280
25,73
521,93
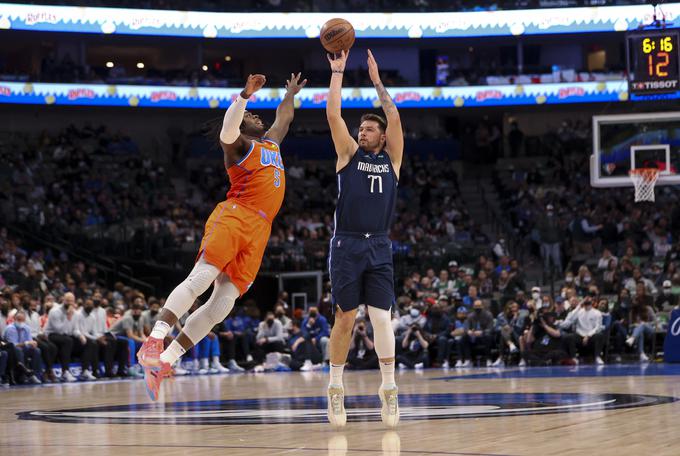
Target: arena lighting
109,64
204,67
307,25
227,58
140,65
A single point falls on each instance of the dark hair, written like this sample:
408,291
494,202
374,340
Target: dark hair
137,306
382,123
211,131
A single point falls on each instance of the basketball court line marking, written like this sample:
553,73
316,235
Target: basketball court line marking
238,447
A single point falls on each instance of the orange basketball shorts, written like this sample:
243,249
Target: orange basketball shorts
234,241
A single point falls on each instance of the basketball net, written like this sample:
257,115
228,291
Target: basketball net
644,180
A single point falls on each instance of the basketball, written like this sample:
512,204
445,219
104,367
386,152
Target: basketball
337,35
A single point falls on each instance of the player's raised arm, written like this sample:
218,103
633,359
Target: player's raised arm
286,110
394,133
345,145
230,135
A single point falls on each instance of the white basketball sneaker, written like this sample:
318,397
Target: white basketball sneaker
390,405
337,415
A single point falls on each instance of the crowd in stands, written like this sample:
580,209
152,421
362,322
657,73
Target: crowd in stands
91,185
55,312
616,265
338,5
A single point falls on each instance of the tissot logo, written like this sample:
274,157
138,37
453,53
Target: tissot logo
359,408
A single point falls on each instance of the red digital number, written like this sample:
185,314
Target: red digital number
658,70
662,65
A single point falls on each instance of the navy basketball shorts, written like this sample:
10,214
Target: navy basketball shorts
361,271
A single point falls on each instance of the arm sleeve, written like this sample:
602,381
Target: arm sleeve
325,331
11,335
488,327
260,331
598,327
303,329
587,227
569,321
55,322
93,333
232,120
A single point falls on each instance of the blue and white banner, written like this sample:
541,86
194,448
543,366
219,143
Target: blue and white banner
311,98
307,25
671,344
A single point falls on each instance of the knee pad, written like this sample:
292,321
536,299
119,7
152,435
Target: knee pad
383,334
200,278
212,312
219,309
379,316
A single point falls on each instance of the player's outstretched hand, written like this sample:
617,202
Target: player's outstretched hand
373,68
293,85
338,61
253,84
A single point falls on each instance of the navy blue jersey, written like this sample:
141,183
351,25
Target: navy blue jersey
367,194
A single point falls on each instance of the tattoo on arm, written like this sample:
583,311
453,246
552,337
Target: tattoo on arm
385,100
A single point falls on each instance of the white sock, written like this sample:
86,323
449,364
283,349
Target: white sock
160,330
216,361
336,375
387,371
172,353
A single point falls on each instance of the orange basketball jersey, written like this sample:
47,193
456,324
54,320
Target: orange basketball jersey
258,181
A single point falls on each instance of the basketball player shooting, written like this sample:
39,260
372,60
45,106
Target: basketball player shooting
360,259
236,232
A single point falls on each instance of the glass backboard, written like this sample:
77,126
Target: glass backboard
631,141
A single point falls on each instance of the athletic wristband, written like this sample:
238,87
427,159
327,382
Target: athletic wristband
337,71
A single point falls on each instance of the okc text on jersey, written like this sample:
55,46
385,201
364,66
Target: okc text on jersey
271,158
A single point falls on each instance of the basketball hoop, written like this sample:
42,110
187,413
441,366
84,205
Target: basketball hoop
644,180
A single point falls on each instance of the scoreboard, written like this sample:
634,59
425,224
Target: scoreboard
653,63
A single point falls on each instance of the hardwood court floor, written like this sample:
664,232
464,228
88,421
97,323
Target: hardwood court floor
615,410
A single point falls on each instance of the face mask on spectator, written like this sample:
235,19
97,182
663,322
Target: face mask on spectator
153,311
587,279
414,313
136,317
569,279
270,321
279,313
666,291
535,295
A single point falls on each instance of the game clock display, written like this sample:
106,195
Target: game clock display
653,64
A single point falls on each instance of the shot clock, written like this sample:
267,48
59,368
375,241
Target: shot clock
653,64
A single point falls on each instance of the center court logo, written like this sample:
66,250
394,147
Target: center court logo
297,410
